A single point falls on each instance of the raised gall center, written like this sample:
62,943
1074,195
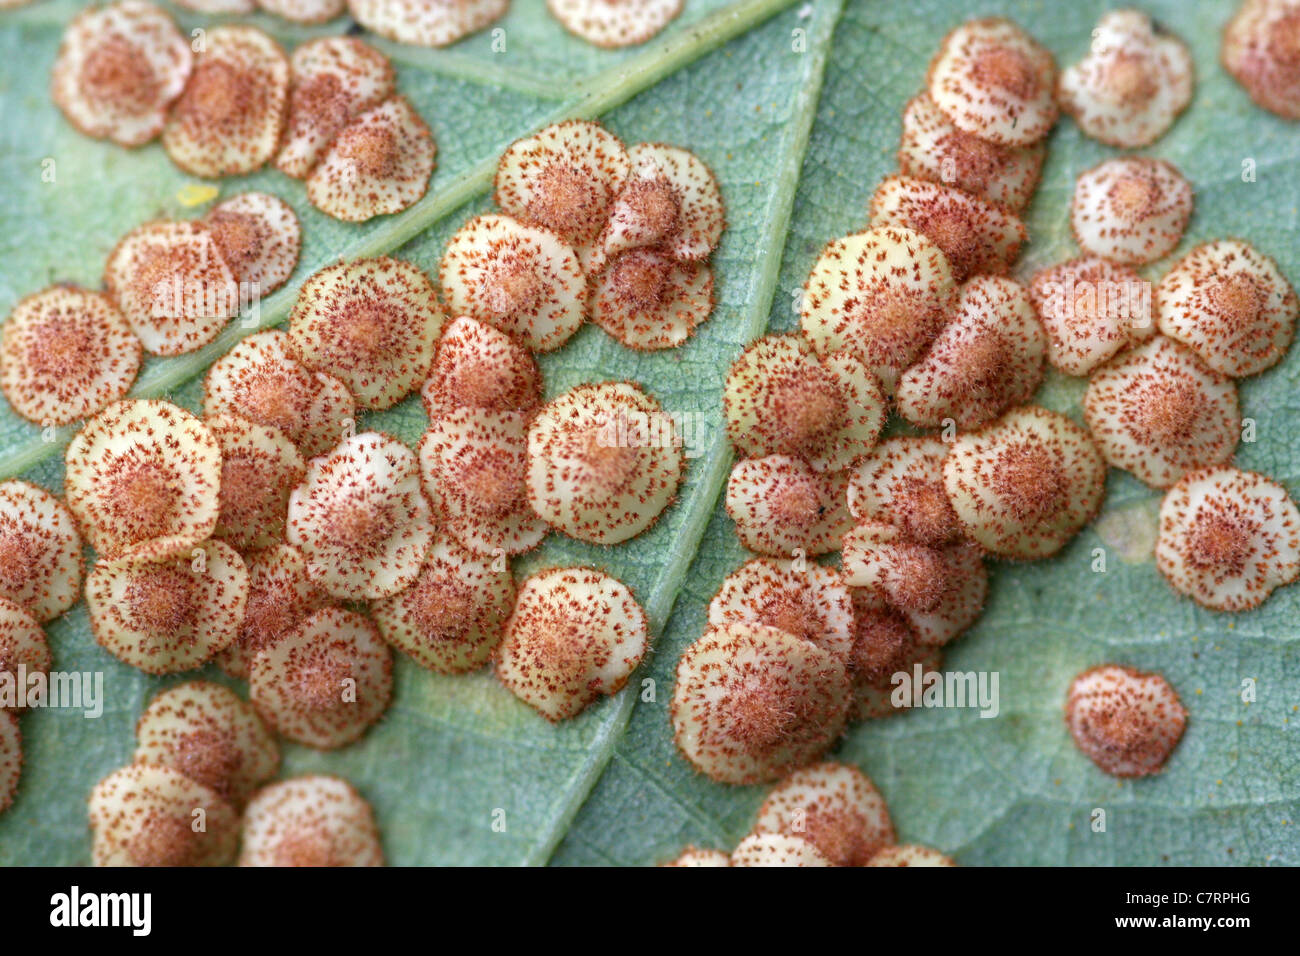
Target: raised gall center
372,149
1219,541
568,200
640,278
1029,481
923,512
810,408
1237,298
1006,69
512,286
652,207
1169,410
115,75
1129,81
162,600
142,498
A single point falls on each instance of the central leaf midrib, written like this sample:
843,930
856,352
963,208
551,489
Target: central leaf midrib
717,461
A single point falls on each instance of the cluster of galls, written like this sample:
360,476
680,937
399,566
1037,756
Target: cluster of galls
830,814
197,788
238,537
169,287
188,518
918,310
329,114
590,229
41,570
142,488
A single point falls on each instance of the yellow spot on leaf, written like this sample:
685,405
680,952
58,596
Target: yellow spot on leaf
196,194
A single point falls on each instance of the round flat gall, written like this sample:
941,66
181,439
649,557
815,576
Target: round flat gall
988,358
564,178
333,80
454,615
260,467
173,286
884,644
425,23
1131,209
24,652
304,11
65,353
648,300
378,164
229,119
476,464
143,477
808,601
258,237
901,482
940,591
604,461
910,854
782,398
777,849
144,815
325,682
615,23
280,596
118,69
311,820
671,200
1158,412
478,366
932,148
1133,83
170,615
833,806
261,381
371,323
880,294
575,634
976,236
1231,305
783,508
361,519
11,758
751,703
40,551
993,80
1125,721
520,279
1091,309
1026,484
1259,51
211,735
1228,538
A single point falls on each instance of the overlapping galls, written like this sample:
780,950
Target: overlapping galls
922,301
329,114
236,538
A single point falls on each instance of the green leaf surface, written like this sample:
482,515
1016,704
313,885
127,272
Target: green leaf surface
798,127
